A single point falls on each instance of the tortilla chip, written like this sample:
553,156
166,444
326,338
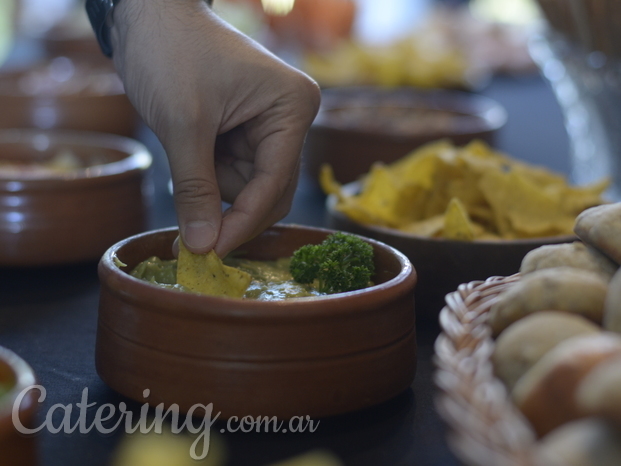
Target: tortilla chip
384,198
430,227
351,207
499,197
523,210
419,166
576,199
457,224
327,181
206,274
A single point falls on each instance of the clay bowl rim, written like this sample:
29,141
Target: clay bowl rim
490,112
200,306
354,187
62,97
138,158
24,377
63,33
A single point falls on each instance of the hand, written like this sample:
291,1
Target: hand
231,116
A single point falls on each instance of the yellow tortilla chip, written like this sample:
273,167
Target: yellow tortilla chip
351,207
206,274
576,199
419,166
522,209
327,181
383,198
499,197
457,224
430,227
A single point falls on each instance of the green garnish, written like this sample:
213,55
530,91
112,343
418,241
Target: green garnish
340,263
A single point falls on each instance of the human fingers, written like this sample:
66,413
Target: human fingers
277,136
195,189
267,196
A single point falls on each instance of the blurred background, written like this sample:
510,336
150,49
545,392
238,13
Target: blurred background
52,74
485,69
294,30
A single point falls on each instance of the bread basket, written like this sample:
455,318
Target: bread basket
485,428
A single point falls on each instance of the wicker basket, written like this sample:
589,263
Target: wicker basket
486,429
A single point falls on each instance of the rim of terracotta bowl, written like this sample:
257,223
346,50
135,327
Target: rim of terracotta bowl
138,158
136,290
354,187
491,114
23,376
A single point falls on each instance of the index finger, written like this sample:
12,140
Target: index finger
267,196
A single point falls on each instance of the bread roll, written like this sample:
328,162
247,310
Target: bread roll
525,341
576,255
587,442
612,305
546,393
599,393
600,227
558,289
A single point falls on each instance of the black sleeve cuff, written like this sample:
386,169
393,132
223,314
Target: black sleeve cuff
98,12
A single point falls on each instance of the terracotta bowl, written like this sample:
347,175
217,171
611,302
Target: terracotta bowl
441,264
15,375
358,126
306,356
69,40
67,93
72,216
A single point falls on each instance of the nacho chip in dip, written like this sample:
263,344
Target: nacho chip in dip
206,274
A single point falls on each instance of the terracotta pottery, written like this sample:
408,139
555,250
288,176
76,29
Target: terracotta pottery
315,24
67,41
306,356
73,216
441,264
97,103
358,126
16,449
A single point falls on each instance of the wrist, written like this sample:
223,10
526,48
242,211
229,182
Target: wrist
129,11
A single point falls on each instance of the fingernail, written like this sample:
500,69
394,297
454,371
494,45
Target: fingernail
199,234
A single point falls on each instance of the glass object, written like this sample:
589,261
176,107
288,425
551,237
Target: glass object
587,84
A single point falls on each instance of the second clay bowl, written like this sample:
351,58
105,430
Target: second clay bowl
358,126
65,197
78,93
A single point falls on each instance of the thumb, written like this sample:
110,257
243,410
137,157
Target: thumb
196,192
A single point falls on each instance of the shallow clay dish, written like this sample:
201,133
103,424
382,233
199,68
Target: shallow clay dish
356,127
80,94
72,216
306,356
16,375
442,264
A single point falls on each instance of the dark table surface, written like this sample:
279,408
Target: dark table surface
49,317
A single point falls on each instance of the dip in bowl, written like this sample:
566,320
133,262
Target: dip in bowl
315,356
